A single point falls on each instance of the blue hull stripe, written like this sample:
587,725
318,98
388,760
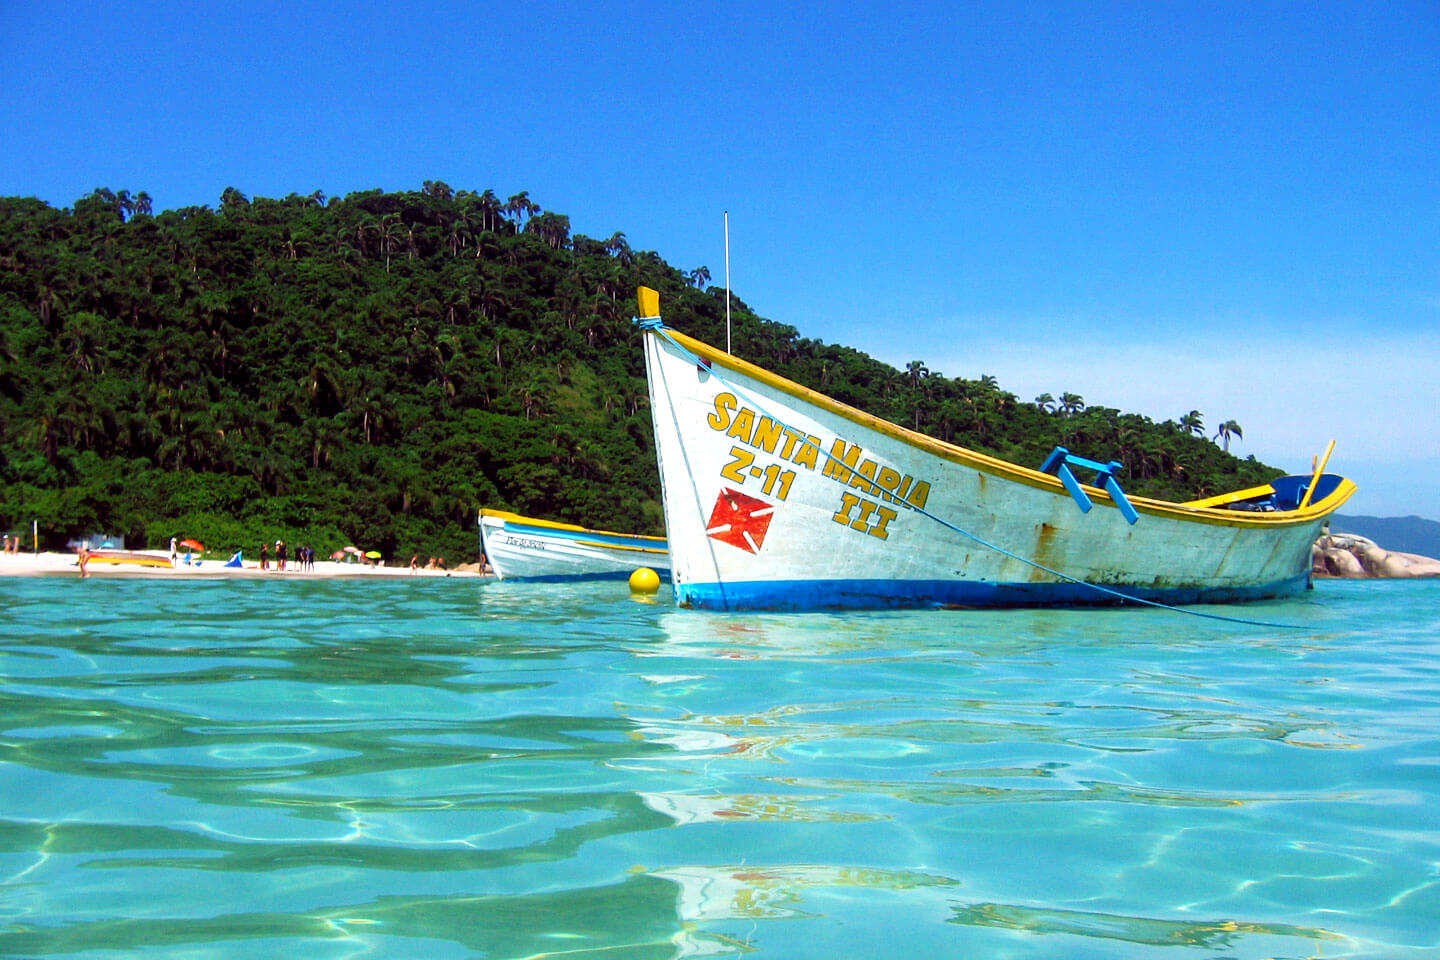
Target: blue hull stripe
910,594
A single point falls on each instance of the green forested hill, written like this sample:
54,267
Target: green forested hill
371,369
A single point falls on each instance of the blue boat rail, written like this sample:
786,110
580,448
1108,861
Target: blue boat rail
1060,463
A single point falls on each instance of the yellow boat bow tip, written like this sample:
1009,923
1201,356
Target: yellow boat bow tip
649,302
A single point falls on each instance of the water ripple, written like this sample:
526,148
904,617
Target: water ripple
452,769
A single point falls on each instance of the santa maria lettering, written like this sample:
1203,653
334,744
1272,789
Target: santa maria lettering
844,463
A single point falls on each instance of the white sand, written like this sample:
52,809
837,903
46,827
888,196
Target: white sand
67,564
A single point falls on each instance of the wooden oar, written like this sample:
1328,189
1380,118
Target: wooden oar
1310,490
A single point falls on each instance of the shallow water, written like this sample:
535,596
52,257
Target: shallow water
465,769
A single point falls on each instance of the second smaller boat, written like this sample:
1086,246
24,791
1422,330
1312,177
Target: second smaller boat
526,548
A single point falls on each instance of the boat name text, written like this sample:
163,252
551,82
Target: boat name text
845,463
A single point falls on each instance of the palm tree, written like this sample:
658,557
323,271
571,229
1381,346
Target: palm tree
553,228
492,300
1227,430
292,248
611,280
619,247
1071,403
521,207
532,400
340,246
1193,422
392,231
186,442
1045,402
490,208
321,434
458,236
364,230
700,276
80,338
232,200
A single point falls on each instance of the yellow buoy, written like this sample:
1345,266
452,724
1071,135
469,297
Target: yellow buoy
644,581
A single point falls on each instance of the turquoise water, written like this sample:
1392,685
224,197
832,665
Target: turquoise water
447,768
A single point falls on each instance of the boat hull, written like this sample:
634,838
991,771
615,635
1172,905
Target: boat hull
525,548
777,497
123,558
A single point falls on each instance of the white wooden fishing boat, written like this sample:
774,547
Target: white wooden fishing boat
526,548
778,497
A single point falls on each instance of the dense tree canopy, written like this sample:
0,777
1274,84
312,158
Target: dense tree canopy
371,369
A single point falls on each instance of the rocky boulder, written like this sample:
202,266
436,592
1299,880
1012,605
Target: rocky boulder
1353,556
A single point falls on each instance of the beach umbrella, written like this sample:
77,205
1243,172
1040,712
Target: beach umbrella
374,554
351,550
338,555
192,544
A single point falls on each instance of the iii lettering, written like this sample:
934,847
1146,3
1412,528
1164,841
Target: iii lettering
865,516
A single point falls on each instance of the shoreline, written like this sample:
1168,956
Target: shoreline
53,564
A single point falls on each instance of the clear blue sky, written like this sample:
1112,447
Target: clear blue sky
1229,207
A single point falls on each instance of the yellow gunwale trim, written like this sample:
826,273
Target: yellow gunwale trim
507,517
1003,468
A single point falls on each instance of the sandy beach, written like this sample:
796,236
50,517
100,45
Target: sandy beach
67,565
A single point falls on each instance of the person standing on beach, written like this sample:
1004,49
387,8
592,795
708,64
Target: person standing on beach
264,557
279,554
84,559
173,554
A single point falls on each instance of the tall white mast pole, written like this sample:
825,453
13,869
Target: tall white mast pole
727,281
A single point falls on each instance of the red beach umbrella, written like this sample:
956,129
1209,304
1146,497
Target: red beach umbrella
338,555
192,544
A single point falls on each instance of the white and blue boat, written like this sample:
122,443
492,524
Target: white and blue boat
778,497
527,548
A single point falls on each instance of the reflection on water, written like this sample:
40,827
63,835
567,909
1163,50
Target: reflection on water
736,892
510,770
1220,934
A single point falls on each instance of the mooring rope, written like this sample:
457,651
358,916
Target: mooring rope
656,325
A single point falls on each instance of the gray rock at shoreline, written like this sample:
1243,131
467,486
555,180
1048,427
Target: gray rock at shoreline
1355,557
